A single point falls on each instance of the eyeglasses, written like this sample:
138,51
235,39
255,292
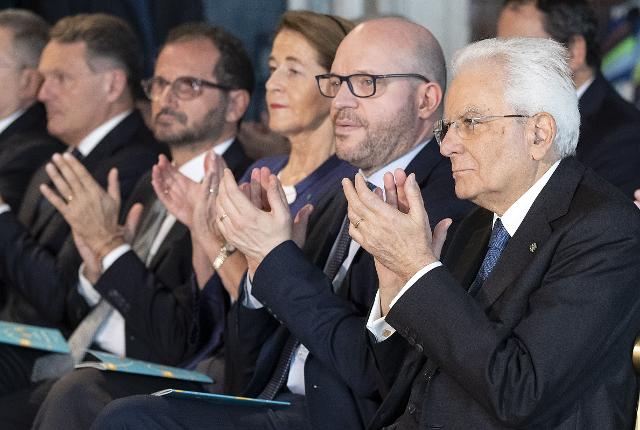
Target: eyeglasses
465,126
184,87
360,84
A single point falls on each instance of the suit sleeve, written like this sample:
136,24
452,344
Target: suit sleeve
332,328
579,315
162,317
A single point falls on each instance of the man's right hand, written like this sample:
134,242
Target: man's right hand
636,196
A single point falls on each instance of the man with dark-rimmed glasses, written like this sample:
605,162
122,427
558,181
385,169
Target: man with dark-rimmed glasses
199,93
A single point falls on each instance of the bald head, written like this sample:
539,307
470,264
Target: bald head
409,46
399,110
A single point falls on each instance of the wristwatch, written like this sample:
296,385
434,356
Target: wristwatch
225,251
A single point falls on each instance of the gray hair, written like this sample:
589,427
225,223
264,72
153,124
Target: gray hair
30,35
537,78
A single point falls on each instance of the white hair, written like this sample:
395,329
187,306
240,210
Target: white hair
537,78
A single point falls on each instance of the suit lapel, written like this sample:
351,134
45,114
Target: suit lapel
467,256
552,203
236,159
121,135
33,118
424,162
177,231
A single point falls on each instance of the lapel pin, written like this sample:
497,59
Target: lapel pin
533,247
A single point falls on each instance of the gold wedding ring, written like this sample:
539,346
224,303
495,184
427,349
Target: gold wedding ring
222,217
357,223
211,191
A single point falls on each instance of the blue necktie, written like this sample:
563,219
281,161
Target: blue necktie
497,243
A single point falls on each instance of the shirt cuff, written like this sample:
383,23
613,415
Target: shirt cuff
113,255
85,288
376,324
248,301
4,208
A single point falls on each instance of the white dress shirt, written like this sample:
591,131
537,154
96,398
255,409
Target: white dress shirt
511,219
295,380
111,334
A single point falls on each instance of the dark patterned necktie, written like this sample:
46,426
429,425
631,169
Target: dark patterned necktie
497,243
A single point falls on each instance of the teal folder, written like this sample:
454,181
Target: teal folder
29,336
114,363
222,399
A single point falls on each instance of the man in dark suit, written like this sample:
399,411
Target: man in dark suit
88,67
148,280
531,320
331,381
610,127
24,141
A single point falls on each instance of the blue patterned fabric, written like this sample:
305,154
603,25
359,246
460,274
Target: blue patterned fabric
497,243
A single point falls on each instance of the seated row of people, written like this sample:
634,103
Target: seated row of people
334,300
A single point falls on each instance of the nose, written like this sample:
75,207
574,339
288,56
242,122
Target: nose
451,144
344,98
274,83
44,93
167,97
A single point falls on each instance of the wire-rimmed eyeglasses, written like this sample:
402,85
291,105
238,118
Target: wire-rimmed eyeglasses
465,126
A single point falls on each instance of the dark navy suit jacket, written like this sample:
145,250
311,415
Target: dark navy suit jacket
340,372
37,253
546,342
160,302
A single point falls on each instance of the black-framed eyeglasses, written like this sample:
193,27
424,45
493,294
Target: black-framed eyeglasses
184,87
465,126
360,84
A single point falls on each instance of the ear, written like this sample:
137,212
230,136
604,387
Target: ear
237,106
541,132
429,99
577,53
115,83
29,82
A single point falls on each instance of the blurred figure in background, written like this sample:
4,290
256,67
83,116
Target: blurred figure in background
609,127
24,141
90,66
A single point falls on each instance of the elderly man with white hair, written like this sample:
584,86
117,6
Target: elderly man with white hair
528,319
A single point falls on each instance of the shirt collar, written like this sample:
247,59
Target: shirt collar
8,120
194,168
512,218
377,177
584,87
87,144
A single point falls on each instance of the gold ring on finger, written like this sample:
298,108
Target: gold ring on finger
223,216
357,223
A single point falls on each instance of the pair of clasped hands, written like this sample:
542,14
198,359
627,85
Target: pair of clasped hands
252,217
